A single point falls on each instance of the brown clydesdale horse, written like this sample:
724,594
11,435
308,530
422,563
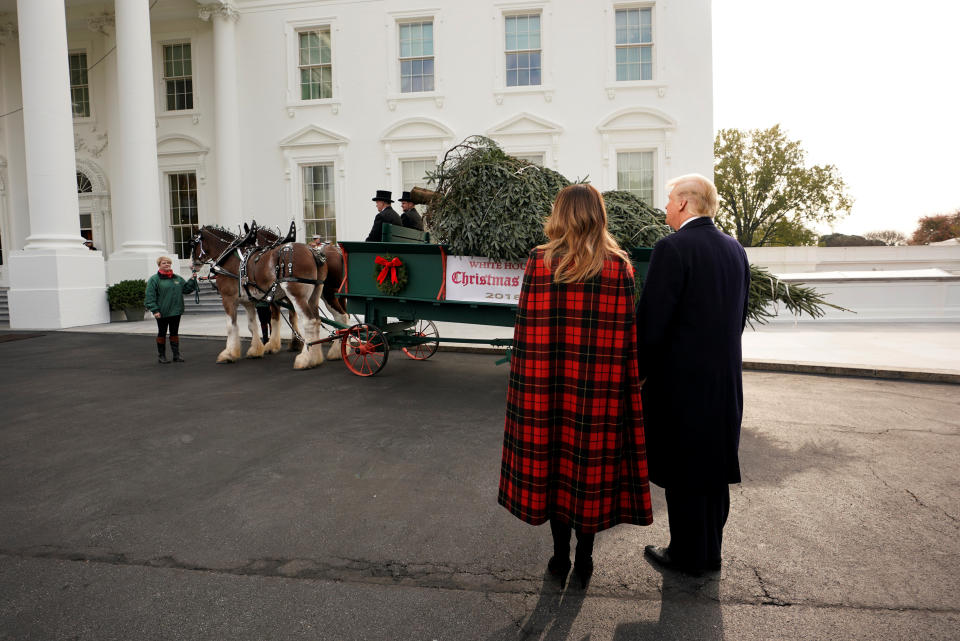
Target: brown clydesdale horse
245,274
266,238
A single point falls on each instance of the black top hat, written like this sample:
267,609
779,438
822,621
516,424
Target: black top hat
405,198
383,195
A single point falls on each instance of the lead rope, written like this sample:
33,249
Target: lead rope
196,292
292,330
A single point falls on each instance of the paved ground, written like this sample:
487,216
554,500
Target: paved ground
249,501
897,350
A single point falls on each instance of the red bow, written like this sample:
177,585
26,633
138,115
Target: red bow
388,265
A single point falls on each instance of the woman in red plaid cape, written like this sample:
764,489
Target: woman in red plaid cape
573,445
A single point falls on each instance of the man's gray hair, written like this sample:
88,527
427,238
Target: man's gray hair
698,191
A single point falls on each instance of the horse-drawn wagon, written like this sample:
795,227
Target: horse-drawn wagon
417,283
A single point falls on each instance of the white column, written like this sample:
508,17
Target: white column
226,99
55,281
137,217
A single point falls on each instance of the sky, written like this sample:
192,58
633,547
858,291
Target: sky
871,86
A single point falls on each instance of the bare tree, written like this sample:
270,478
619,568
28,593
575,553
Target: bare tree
890,237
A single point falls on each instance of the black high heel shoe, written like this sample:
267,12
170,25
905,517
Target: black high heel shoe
559,567
583,568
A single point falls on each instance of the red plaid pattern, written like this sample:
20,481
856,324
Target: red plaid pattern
573,444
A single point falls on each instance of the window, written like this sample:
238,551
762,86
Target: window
414,174
316,68
635,174
533,159
183,211
178,76
79,86
523,50
319,208
634,44
84,186
86,226
416,57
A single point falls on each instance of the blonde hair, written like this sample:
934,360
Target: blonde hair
577,233
163,258
698,191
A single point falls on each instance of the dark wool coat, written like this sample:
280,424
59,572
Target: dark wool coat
573,445
388,215
412,219
689,322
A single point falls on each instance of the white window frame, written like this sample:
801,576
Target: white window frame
656,174
542,152
333,186
292,30
659,167
161,85
409,156
657,82
547,54
177,154
83,119
393,22
167,224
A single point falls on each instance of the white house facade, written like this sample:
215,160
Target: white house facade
132,122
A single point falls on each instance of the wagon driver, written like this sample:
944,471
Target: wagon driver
385,214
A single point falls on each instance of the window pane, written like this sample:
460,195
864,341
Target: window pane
512,61
318,205
635,174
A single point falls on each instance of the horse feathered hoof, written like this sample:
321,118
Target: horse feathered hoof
334,353
227,357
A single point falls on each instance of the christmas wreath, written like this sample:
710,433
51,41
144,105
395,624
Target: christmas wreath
390,274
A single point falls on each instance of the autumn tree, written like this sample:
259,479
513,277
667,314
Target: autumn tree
767,194
890,237
933,229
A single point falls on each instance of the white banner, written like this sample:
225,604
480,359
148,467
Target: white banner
481,280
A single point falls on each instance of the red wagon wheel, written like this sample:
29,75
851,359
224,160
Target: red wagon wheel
364,349
426,330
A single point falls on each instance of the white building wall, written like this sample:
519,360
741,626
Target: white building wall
579,118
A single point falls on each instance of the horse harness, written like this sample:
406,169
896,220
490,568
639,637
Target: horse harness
283,270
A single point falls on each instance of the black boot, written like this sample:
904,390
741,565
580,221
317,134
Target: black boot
583,559
559,564
175,346
162,350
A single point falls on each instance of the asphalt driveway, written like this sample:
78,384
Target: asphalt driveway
251,501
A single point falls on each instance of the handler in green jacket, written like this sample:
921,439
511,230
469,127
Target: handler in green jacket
164,299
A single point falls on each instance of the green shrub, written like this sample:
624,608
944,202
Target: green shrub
127,294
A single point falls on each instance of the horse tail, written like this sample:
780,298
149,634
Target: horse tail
334,278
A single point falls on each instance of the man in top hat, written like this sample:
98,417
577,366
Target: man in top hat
410,216
385,214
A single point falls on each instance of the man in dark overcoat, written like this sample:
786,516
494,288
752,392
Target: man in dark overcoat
385,214
410,217
690,319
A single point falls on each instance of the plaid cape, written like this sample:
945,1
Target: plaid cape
573,444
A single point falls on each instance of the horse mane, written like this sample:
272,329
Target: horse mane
220,231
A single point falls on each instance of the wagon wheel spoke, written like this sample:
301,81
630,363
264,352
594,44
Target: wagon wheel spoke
364,349
426,331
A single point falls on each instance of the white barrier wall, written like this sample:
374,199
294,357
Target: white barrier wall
909,295
784,260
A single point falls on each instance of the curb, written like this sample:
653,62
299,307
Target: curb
828,369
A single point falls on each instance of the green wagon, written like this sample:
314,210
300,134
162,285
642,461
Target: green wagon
415,301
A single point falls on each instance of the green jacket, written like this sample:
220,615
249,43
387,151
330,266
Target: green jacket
165,295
